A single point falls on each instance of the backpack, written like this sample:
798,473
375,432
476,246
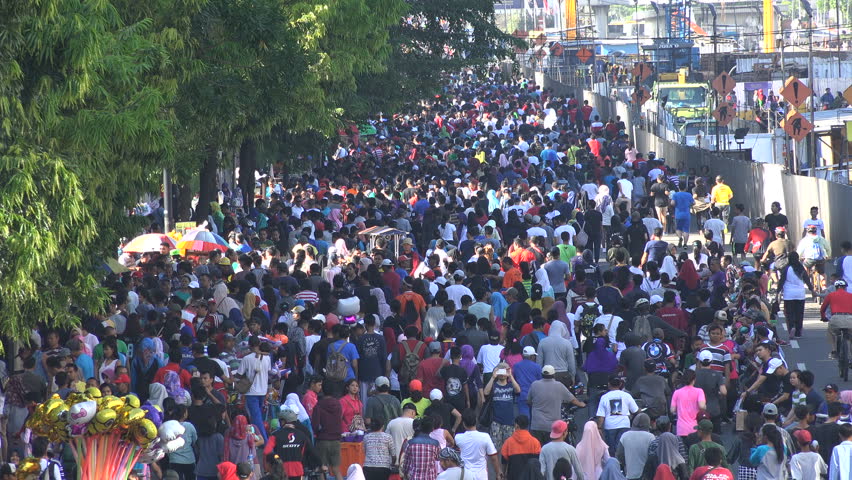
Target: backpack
642,328
47,474
816,251
587,319
410,313
337,367
410,361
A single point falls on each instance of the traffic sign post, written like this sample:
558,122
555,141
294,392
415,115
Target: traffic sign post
795,92
724,114
584,54
642,71
641,95
724,84
847,94
797,126
557,50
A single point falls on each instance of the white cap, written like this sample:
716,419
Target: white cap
319,317
458,180
529,351
386,262
436,394
655,299
773,364
705,356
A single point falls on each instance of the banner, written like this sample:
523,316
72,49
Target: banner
571,19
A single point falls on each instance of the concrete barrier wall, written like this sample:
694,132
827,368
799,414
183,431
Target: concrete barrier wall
755,185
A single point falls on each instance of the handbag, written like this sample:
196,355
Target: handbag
244,383
581,238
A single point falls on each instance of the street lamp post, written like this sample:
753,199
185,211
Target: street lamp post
715,66
812,80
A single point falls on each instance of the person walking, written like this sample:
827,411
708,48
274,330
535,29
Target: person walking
592,451
545,399
614,410
632,449
770,456
519,448
420,453
255,366
557,448
720,197
686,402
792,286
476,447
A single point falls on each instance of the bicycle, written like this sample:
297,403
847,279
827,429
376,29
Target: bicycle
817,278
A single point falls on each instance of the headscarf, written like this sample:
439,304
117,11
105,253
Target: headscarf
669,267
452,455
846,397
612,471
504,161
293,402
336,217
147,354
559,329
498,305
688,275
355,472
602,200
493,224
157,393
467,361
592,450
175,390
641,422
238,444
542,279
227,471
668,452
600,359
384,308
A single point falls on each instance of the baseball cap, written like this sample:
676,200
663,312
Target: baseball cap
721,315
415,386
529,351
655,299
407,241
803,436
770,409
831,387
812,228
500,371
123,378
548,370
640,302
704,426
244,470
458,180
536,219
382,382
288,414
839,283
386,262
435,347
558,428
704,356
773,364
494,336
436,394
297,309
319,317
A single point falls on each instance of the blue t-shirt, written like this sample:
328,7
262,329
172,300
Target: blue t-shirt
86,365
503,403
526,372
350,352
683,202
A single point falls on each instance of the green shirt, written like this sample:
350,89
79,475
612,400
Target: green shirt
98,353
420,406
696,455
566,254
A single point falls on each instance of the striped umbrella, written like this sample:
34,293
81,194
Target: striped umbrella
201,241
148,243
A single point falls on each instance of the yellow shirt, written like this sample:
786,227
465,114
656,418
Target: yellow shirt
721,194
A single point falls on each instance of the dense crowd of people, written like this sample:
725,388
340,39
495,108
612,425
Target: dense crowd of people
448,295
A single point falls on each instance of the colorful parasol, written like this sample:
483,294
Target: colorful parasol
201,241
148,243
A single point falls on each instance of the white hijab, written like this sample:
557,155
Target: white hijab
295,405
668,267
542,279
355,472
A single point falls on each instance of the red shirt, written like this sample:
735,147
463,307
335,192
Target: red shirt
674,317
427,372
840,302
711,473
184,375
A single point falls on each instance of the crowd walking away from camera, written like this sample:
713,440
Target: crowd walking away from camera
496,284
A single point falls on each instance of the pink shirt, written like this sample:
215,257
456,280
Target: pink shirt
685,400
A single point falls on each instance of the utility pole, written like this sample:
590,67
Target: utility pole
812,81
715,67
637,110
167,201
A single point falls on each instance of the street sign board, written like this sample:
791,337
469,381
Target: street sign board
557,50
797,126
540,53
847,94
724,84
584,54
724,114
642,71
795,91
641,95
541,39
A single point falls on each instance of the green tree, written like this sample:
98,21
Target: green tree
82,93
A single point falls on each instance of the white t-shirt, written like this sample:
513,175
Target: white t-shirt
489,357
447,232
616,406
591,189
611,322
400,429
717,227
651,223
654,173
626,187
456,292
257,368
536,232
557,233
817,223
475,446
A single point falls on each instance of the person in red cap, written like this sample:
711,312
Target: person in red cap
807,464
558,448
416,398
122,385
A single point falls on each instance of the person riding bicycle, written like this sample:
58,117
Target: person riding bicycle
839,302
814,249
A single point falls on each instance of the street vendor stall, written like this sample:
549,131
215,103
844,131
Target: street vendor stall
373,234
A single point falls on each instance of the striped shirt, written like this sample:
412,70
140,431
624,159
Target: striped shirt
721,356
